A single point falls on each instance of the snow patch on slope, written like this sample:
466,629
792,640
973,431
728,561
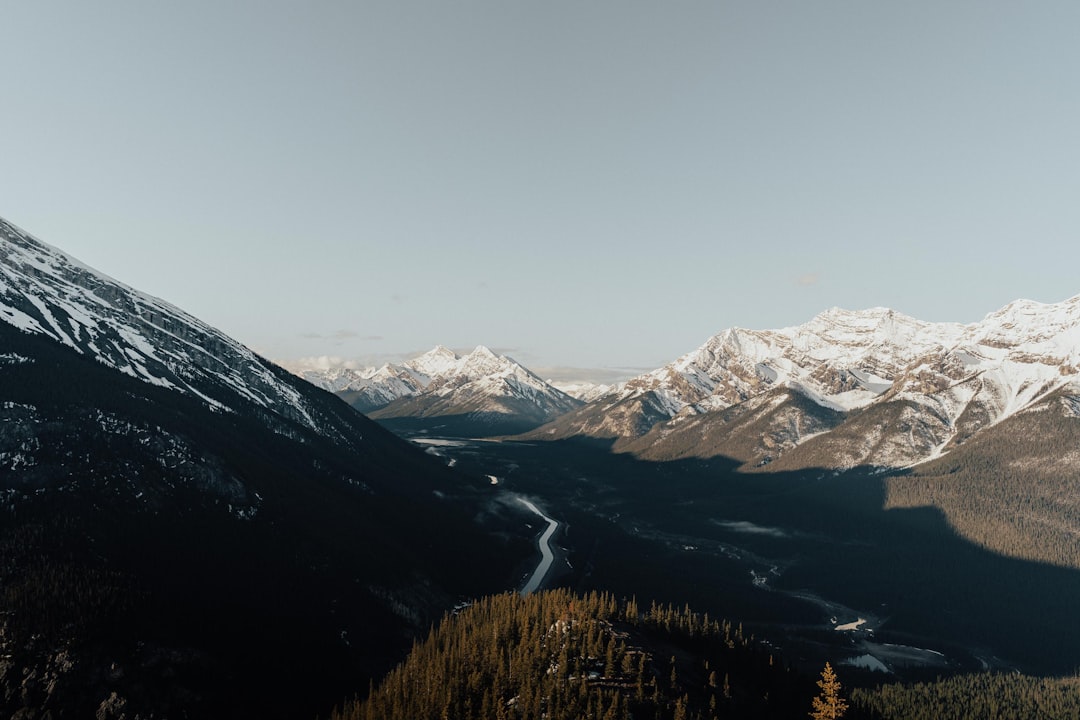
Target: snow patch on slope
44,291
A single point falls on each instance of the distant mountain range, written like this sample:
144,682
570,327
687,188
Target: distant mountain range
479,393
848,388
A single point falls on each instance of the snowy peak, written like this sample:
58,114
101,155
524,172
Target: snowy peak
1034,326
436,362
44,291
482,362
482,351
827,335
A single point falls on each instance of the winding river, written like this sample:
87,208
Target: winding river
547,555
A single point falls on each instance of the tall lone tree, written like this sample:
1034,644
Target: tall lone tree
828,705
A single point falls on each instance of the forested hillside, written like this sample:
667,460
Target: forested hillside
975,697
166,560
564,657
1010,489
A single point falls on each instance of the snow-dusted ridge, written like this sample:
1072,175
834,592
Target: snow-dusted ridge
847,360
942,381
441,382
47,292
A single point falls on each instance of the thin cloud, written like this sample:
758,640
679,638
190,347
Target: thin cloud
808,279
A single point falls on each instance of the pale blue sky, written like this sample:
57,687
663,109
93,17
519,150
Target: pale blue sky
598,184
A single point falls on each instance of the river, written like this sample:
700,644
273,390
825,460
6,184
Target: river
547,555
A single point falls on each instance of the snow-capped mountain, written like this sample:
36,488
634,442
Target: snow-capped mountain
46,292
181,489
848,387
368,389
480,393
439,362
476,392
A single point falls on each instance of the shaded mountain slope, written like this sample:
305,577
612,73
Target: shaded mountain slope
179,534
1011,488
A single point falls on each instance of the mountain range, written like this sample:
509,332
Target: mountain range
479,393
872,387
848,388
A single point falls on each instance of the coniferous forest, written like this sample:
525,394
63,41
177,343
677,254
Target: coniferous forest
564,656
967,697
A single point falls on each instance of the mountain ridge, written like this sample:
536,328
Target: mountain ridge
480,392
167,495
47,292
958,378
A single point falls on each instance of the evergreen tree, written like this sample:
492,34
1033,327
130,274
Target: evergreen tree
828,705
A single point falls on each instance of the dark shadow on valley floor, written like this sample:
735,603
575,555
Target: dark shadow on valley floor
751,547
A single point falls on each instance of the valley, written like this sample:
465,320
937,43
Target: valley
811,562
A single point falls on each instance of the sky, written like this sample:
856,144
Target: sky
594,188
